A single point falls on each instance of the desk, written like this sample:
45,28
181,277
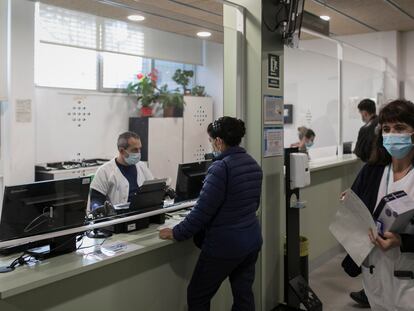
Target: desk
150,274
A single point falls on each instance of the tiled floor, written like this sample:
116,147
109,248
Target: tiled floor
333,285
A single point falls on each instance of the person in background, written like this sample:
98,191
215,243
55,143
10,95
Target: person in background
363,149
226,212
366,134
306,138
118,180
388,170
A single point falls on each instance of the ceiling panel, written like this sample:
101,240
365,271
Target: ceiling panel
339,24
376,15
406,5
163,15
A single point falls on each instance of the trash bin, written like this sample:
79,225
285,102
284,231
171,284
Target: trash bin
304,261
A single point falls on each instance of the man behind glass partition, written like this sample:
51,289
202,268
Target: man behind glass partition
118,180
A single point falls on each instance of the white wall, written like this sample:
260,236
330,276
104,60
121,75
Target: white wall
211,74
58,138
18,138
3,49
407,63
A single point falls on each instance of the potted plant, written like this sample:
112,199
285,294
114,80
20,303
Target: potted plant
198,90
182,77
146,91
172,102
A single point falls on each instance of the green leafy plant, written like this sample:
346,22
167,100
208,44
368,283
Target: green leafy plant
182,77
145,89
198,90
169,98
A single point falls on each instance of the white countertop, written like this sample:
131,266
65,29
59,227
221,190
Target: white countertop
329,162
25,278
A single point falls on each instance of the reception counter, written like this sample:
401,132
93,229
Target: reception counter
134,271
329,177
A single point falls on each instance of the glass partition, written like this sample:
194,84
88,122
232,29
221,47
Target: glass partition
363,77
311,87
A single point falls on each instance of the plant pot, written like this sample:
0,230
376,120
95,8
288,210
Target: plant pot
169,112
146,111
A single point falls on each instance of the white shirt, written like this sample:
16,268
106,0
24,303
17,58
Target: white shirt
406,183
109,181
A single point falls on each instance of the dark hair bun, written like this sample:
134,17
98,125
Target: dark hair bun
231,130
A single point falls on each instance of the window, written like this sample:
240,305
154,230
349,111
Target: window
118,70
66,67
82,51
166,70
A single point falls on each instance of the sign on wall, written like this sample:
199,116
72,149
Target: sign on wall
273,109
273,71
273,141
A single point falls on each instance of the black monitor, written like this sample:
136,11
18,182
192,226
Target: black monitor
347,147
190,179
43,207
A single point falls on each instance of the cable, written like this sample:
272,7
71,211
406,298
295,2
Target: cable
100,244
28,228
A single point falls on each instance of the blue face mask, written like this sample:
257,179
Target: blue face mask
216,153
309,144
133,158
397,145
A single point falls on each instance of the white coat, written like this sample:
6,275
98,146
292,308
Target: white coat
109,181
386,292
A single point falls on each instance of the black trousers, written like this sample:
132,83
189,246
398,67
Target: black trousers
210,272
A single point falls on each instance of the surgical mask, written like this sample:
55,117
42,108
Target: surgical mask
397,145
309,144
133,158
216,154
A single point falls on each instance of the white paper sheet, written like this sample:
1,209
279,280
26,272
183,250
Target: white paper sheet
351,225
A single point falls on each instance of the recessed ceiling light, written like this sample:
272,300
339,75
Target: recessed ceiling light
204,34
325,17
136,18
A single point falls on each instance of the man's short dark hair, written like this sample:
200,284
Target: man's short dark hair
123,139
367,105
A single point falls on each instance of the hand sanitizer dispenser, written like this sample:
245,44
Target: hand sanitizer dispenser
299,170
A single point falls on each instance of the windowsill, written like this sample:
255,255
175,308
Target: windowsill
67,91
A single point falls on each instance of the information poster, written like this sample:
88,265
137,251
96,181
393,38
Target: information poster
23,110
273,109
273,141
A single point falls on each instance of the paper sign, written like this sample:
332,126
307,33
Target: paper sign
351,226
23,110
273,141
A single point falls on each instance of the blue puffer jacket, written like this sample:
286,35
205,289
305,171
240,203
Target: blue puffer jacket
226,208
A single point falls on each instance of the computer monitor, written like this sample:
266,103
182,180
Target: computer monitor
347,147
150,196
43,207
190,179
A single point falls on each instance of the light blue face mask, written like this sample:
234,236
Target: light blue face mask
216,153
133,158
309,144
397,145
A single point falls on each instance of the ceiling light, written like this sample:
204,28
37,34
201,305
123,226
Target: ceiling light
325,17
204,34
136,18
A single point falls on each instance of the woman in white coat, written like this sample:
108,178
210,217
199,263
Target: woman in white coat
389,269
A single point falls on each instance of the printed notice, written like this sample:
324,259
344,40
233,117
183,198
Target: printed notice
273,109
273,141
23,110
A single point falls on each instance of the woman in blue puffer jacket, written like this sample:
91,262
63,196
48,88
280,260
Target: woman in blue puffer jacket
226,212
